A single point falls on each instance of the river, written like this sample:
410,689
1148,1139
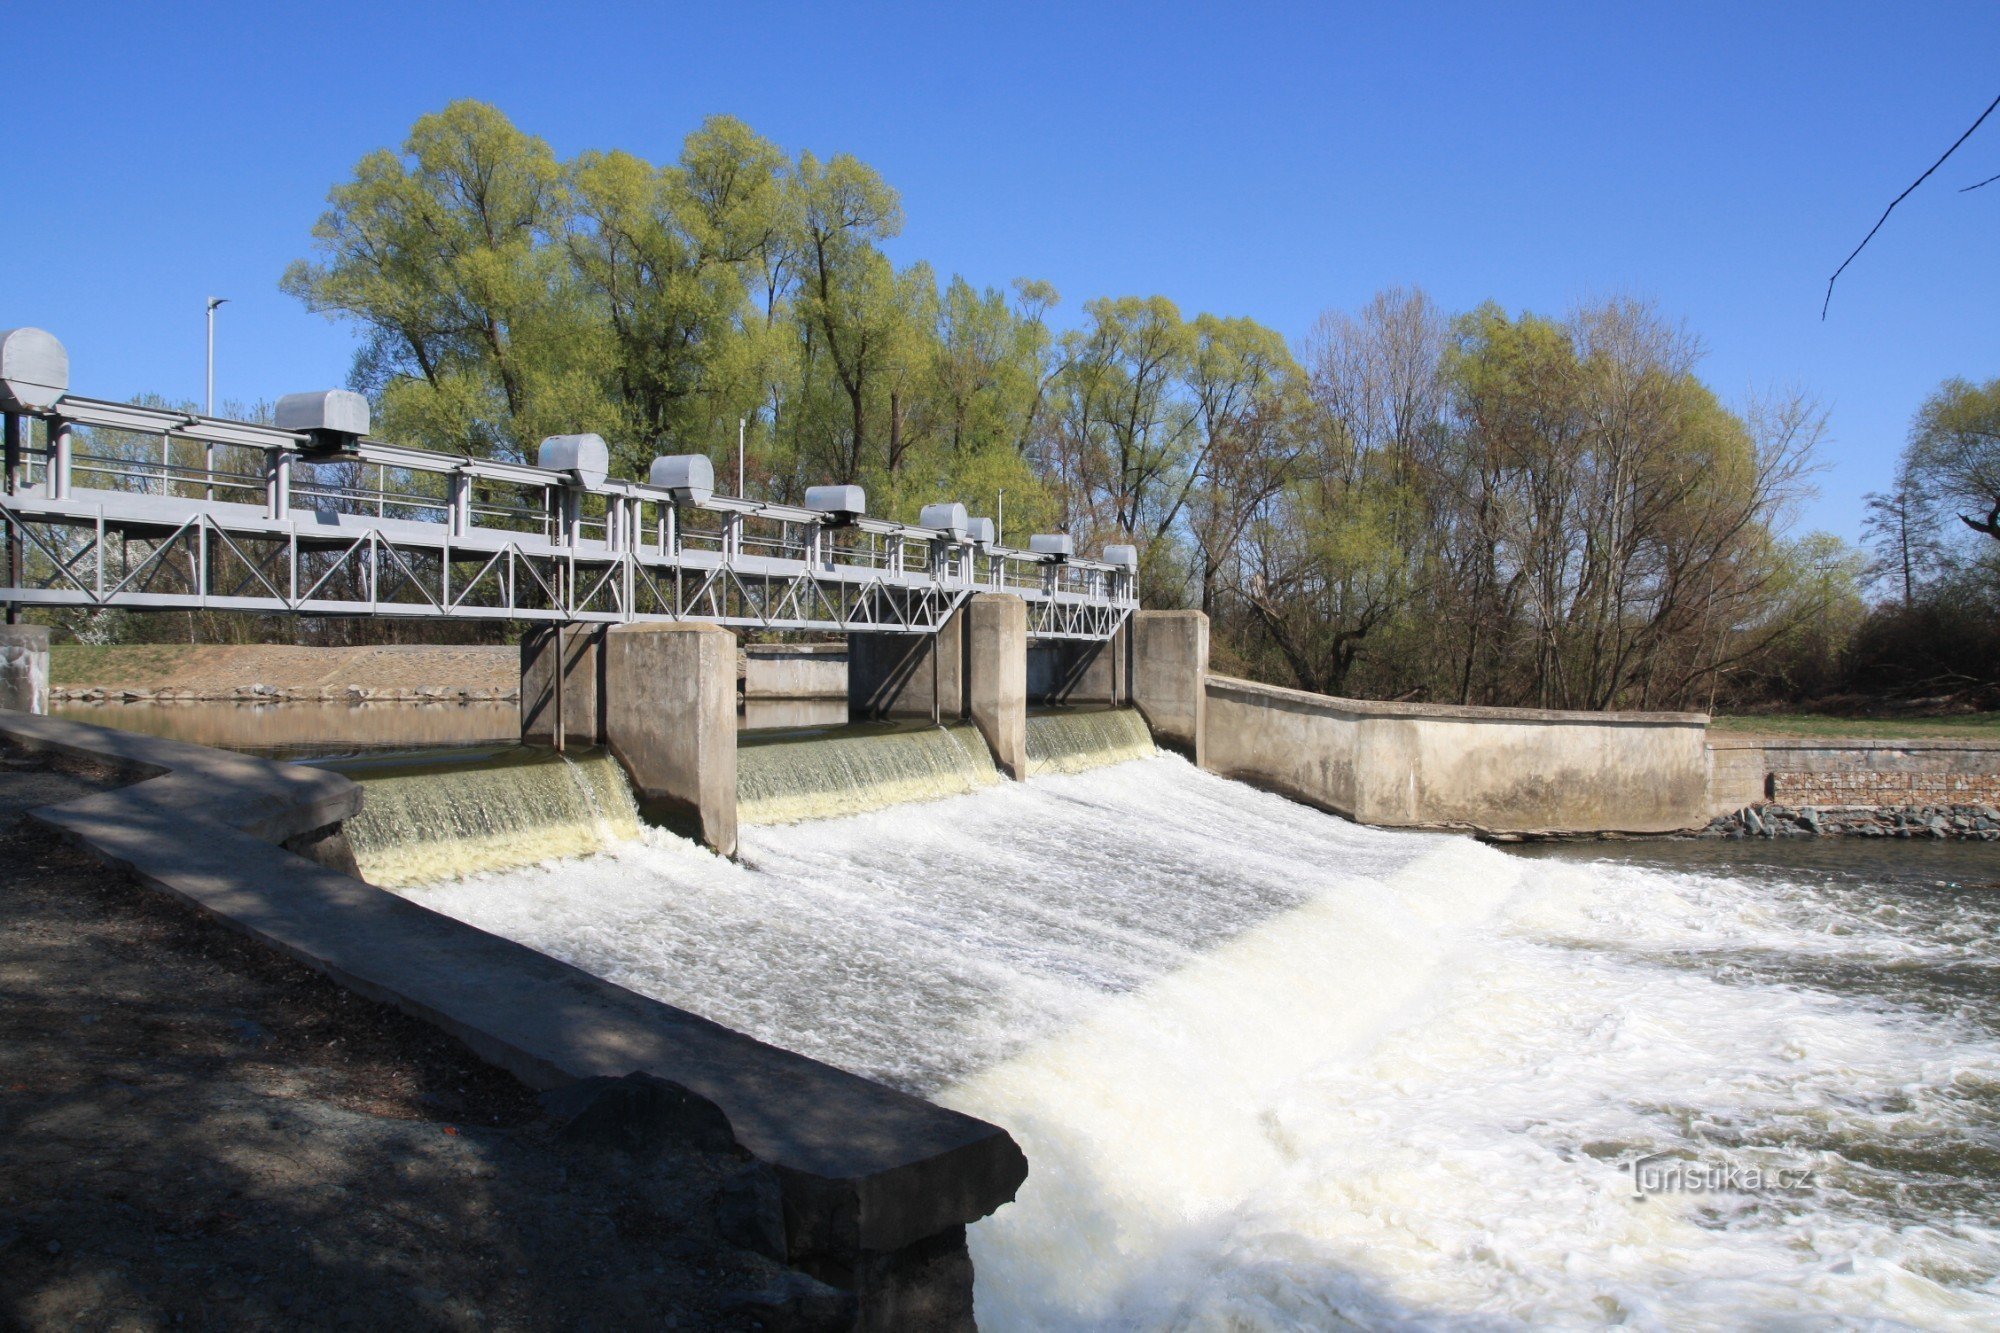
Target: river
1275,1070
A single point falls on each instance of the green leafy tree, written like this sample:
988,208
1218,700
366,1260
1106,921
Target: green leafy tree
476,338
1954,452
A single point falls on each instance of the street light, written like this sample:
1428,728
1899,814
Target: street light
208,407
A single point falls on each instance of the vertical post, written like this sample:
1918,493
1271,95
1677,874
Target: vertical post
208,400
996,657
1169,677
278,485
12,464
669,714
562,670
62,452
24,668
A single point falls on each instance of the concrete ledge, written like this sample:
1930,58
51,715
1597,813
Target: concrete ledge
866,1169
1494,770
1279,696
793,670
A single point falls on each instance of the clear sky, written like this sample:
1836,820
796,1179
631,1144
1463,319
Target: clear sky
1270,161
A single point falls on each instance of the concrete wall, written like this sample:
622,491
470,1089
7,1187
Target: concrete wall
1500,770
24,668
996,674
1169,670
908,675
1831,773
795,671
1065,671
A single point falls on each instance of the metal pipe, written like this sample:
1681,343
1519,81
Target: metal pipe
62,448
12,468
208,408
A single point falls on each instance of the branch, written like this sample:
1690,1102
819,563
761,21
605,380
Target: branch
1899,199
1991,527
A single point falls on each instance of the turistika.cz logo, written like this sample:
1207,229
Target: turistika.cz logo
1664,1173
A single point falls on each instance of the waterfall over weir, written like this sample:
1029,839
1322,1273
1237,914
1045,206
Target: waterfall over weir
452,816
1276,1071
1074,740
784,780
853,770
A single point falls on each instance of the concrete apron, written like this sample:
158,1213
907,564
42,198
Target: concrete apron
878,1185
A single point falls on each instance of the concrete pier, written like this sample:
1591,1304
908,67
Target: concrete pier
1169,677
996,657
670,718
908,675
24,668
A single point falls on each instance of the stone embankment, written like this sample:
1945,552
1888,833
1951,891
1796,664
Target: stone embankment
1972,823
284,673
324,694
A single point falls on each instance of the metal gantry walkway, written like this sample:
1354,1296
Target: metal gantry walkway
113,505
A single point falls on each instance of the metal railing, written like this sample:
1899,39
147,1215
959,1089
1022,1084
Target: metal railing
99,513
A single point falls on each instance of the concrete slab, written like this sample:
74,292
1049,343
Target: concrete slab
866,1169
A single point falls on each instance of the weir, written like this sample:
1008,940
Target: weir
456,815
785,780
1077,740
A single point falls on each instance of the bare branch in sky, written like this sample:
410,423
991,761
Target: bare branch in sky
1899,199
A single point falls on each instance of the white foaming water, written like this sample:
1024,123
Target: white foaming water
1273,1070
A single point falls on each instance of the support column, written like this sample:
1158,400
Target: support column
996,657
908,675
574,707
670,718
24,668
1169,677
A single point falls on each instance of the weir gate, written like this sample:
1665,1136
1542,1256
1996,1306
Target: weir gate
630,587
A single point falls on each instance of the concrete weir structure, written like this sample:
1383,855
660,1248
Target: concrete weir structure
1495,770
877,1186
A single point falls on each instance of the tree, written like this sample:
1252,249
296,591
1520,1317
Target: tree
1954,452
475,338
1901,530
666,253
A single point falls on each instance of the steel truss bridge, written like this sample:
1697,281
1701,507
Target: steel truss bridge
110,505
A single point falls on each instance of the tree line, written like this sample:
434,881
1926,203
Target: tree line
1476,507
1408,502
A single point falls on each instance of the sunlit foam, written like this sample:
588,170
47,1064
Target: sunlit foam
1272,1070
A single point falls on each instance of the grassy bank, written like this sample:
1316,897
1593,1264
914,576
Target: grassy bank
1819,726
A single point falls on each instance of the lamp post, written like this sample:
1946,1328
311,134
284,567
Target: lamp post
208,406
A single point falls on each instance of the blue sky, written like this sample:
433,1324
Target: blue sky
1270,161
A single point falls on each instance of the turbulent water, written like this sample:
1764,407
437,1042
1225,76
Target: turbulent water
1076,740
421,822
816,775
1273,1070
